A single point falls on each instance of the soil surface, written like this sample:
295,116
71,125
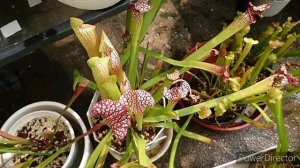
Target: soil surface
41,132
179,25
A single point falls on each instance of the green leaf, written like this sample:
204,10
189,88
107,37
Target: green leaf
26,164
203,52
252,122
296,72
212,68
126,54
283,144
103,154
133,164
127,155
12,142
158,111
97,153
109,89
185,133
140,149
263,113
150,16
255,89
19,151
78,79
139,121
11,137
157,118
53,156
176,141
144,68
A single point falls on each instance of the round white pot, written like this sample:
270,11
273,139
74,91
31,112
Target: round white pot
159,144
90,4
19,123
82,149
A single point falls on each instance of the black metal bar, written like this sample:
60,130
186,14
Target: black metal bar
18,50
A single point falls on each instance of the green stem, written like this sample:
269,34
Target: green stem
283,49
133,65
212,68
263,38
238,40
246,76
259,65
255,99
275,34
185,133
203,53
242,56
295,91
288,26
22,152
263,113
170,106
222,52
159,92
266,33
150,16
295,53
276,108
144,68
255,89
98,156
128,153
155,72
295,72
11,137
68,145
126,54
261,45
78,90
176,141
255,123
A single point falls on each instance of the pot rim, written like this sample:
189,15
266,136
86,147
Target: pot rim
90,4
17,125
70,115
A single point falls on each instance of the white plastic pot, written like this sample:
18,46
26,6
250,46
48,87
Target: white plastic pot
82,150
159,144
90,4
19,123
276,6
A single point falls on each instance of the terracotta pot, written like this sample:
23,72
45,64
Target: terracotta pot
234,125
164,138
82,150
230,125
